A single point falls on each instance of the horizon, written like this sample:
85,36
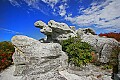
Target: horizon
18,16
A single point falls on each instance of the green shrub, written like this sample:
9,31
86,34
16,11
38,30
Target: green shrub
106,66
79,53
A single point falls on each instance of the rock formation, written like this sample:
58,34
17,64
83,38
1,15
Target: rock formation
45,60
103,46
38,61
34,60
55,31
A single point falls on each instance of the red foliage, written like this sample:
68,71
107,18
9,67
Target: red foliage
111,35
6,52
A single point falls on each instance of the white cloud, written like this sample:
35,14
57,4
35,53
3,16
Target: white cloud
52,3
33,3
62,10
105,15
10,31
62,7
14,3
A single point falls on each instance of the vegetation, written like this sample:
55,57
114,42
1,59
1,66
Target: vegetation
111,35
6,52
114,58
79,53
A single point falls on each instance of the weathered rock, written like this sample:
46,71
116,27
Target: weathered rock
39,61
55,31
103,46
82,31
46,61
88,72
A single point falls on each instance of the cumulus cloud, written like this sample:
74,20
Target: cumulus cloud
105,15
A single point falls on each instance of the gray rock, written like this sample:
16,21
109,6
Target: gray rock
39,61
56,31
46,61
103,46
82,31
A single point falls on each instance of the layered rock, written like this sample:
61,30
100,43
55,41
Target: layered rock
55,31
39,61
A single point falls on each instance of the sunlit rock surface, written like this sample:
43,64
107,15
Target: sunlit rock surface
34,60
55,31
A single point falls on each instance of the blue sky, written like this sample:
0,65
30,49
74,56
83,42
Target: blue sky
18,16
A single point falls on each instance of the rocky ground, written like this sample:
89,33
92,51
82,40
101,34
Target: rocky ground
94,74
7,74
91,72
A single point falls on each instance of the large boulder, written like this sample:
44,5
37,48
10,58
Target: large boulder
102,45
38,61
55,31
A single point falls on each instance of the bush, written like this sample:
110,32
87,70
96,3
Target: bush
106,66
79,53
6,52
111,35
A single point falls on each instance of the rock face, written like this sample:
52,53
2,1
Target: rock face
34,60
103,46
38,61
56,31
